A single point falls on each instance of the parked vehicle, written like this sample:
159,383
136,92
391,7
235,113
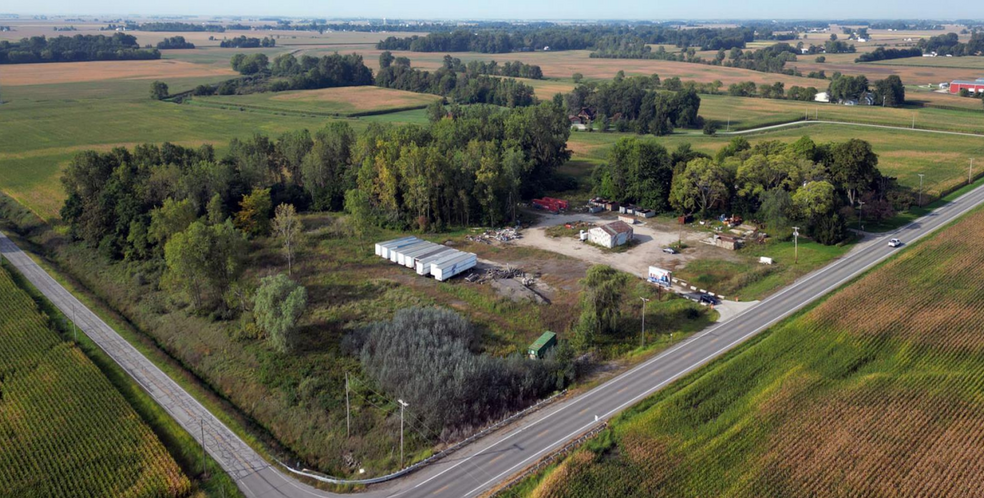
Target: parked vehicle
669,250
708,299
894,243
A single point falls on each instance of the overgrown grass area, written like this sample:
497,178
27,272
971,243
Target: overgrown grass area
872,392
70,430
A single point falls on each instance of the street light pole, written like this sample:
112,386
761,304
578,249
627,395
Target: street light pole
403,405
643,337
796,253
920,188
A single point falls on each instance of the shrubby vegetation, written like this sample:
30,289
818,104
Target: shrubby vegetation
76,48
455,81
427,357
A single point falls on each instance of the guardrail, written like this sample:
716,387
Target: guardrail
433,458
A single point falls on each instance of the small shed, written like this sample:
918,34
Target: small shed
729,242
611,235
543,344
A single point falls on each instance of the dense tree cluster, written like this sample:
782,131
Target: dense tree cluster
248,42
776,90
174,42
881,54
815,185
888,92
175,27
290,73
76,48
770,59
427,357
636,104
462,87
497,41
515,69
950,44
907,25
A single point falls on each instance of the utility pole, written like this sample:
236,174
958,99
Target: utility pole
796,249
643,337
729,123
970,172
920,188
348,418
402,406
75,330
913,121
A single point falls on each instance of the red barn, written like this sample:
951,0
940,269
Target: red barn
975,86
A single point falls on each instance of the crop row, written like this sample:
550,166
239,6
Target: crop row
66,430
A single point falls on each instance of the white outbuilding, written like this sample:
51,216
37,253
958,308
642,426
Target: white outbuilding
611,235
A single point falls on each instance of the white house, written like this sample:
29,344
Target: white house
862,40
822,97
611,235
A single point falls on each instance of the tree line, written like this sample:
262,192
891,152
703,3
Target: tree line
816,186
465,87
175,27
248,42
290,73
635,103
950,44
770,59
174,42
882,54
889,92
76,48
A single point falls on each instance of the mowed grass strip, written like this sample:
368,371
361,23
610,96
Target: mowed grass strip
66,430
874,392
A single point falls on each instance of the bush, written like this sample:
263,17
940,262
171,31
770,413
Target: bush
821,59
710,128
424,356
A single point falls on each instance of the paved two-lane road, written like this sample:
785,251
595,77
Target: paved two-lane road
491,460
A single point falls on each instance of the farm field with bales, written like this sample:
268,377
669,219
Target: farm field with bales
67,430
871,392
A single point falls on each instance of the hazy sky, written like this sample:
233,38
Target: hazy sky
519,9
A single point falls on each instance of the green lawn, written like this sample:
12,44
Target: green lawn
873,392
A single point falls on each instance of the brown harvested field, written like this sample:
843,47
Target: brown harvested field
910,75
75,72
358,98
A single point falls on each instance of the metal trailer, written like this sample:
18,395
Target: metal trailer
390,249
448,256
396,252
381,245
410,259
407,253
423,264
450,268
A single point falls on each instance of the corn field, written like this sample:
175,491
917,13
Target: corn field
876,392
65,431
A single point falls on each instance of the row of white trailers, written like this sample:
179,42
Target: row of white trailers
426,257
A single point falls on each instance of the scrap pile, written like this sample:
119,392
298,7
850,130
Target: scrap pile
489,236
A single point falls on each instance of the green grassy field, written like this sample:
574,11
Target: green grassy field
874,392
746,113
67,430
345,101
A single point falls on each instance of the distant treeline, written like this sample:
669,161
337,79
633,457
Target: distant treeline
76,48
526,38
453,80
949,44
770,59
881,54
247,42
174,42
175,26
907,25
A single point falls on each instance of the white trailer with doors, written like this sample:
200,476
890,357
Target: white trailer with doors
383,247
410,260
406,257
423,265
396,255
446,269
